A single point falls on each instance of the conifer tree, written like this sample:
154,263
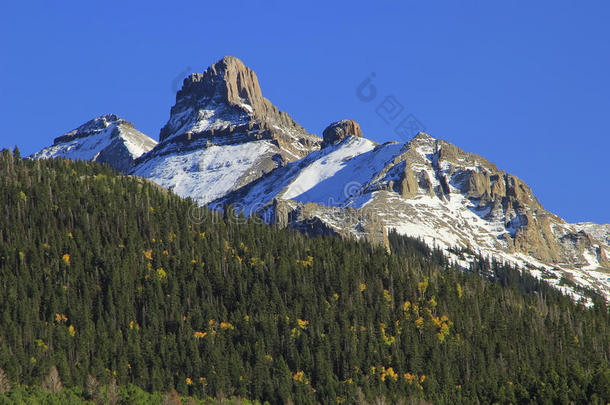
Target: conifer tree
17,153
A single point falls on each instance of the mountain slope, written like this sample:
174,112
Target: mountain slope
430,189
222,134
114,280
105,139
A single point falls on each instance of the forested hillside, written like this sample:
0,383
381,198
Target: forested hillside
113,280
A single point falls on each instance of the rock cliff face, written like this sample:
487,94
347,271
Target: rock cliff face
320,220
105,139
225,104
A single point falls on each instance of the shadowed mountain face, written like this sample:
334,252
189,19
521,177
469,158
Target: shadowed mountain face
224,143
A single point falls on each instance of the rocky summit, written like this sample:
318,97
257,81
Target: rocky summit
224,143
225,103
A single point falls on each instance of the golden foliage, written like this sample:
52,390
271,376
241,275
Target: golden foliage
422,286
389,340
388,372
410,377
306,263
387,296
40,343
299,376
302,323
226,325
66,259
60,318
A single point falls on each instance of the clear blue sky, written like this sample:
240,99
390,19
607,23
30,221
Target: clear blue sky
525,84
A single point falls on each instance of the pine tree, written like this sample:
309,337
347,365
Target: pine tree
17,153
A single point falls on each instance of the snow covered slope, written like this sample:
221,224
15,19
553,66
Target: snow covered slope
106,139
208,172
222,134
326,177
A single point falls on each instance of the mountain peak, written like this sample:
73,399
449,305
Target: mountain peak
228,81
93,127
422,136
225,96
225,105
106,139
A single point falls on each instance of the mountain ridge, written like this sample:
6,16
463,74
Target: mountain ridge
224,143
431,189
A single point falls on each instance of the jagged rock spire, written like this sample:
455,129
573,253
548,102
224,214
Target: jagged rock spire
227,94
228,80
